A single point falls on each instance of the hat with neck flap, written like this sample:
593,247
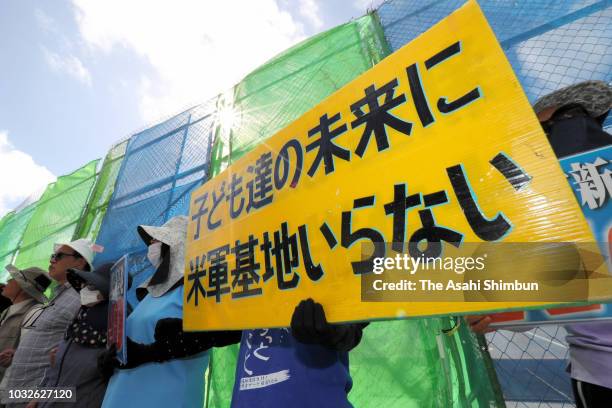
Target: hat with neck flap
594,96
34,281
173,233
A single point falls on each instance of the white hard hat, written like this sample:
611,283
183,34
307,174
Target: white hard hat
84,247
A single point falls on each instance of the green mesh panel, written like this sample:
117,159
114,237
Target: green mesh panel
90,223
56,215
4,220
222,369
279,92
403,355
5,260
415,364
220,153
11,231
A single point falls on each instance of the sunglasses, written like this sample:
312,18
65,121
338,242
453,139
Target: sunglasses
59,255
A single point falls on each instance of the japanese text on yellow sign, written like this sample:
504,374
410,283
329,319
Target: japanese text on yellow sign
436,145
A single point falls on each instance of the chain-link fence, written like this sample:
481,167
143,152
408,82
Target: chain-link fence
90,222
531,366
160,168
148,179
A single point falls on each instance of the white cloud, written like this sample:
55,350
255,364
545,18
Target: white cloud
21,178
196,48
45,21
68,64
309,9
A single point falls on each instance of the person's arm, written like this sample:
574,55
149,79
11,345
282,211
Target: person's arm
309,326
481,324
171,342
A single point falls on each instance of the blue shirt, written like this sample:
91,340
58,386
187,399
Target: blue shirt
174,383
275,370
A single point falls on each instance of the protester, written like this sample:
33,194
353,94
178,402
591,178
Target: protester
75,362
43,327
25,290
165,365
307,366
317,353
572,118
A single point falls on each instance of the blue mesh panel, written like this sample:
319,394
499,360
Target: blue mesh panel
157,131
180,199
564,55
118,233
549,43
162,165
145,168
197,144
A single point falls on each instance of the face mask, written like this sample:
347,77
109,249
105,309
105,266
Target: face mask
90,297
154,254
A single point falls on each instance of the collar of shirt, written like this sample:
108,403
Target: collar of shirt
59,289
16,308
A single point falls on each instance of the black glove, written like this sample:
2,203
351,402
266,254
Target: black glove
107,362
309,326
137,354
172,342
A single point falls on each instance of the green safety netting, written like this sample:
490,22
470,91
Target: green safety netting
280,91
408,363
90,223
405,363
221,372
12,227
220,151
56,216
421,363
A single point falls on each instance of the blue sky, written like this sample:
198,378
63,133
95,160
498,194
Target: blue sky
79,75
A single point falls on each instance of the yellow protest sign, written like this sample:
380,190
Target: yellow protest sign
435,146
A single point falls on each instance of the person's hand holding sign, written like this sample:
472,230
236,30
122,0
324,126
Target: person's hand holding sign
479,324
309,326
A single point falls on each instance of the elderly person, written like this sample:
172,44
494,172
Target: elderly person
165,366
44,327
75,363
25,289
